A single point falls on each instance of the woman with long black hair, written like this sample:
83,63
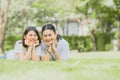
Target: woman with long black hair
53,46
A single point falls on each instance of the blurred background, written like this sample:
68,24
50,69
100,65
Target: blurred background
88,25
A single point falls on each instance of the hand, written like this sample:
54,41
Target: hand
54,46
36,42
27,42
49,48
31,42
47,43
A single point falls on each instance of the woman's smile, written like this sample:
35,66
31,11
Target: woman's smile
48,41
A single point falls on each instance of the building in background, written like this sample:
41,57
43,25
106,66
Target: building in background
74,25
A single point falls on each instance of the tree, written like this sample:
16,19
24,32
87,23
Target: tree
82,7
104,13
3,22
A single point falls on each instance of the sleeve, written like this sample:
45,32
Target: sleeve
38,50
43,49
43,52
65,51
19,48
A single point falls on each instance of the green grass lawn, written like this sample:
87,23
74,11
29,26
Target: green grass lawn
80,66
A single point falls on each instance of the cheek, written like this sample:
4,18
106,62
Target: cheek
36,38
26,37
43,38
54,37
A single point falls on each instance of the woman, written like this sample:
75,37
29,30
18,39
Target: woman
29,47
53,47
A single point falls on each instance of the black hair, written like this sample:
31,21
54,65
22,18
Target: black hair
50,27
30,28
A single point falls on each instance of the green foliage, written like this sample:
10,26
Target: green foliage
108,46
37,12
106,14
103,40
84,43
81,43
10,42
20,13
75,42
50,10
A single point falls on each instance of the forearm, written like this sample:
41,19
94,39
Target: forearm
27,56
57,56
46,57
34,56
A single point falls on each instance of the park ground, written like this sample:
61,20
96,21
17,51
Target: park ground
80,66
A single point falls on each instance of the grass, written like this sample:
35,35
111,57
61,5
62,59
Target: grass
80,66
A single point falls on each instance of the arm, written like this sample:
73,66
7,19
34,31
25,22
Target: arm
64,52
56,54
34,56
51,49
27,55
47,55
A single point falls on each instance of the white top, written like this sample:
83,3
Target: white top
19,48
62,48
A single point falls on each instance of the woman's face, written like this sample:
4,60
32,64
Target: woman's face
31,36
49,37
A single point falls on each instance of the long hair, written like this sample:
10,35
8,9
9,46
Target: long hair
30,28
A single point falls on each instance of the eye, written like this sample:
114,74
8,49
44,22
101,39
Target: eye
45,35
35,35
50,34
30,34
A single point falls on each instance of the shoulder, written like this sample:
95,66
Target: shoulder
19,42
19,46
62,41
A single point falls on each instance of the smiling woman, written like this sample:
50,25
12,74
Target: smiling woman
53,47
29,47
